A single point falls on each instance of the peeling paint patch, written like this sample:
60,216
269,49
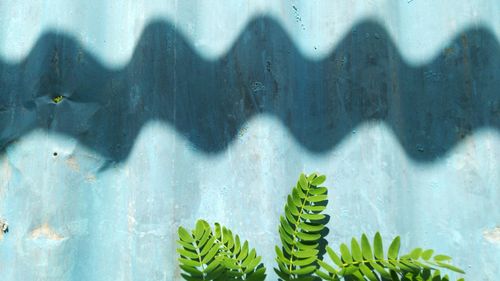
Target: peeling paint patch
492,235
46,232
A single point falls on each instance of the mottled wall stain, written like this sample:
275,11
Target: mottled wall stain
492,235
72,163
45,231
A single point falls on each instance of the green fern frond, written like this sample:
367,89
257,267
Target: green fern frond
301,229
217,255
363,262
241,262
199,253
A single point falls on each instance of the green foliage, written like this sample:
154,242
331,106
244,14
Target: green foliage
364,262
220,255
300,229
57,99
217,255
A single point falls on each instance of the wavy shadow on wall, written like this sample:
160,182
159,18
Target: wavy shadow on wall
430,108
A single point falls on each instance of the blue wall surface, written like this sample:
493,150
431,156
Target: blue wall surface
177,110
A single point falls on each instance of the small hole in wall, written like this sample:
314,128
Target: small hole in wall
55,154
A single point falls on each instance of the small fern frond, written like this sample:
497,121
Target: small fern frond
199,253
363,262
205,255
301,229
241,262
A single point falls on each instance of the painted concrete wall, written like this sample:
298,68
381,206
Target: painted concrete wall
177,110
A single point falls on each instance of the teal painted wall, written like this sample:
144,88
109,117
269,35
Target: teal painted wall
179,110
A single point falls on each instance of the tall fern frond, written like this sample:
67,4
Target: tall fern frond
205,255
363,262
301,229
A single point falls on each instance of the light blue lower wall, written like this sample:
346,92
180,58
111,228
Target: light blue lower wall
69,221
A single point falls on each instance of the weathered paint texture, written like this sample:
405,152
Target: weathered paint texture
119,122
